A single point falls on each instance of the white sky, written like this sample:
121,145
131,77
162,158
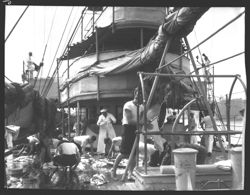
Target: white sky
31,34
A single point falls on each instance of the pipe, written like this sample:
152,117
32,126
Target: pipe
184,75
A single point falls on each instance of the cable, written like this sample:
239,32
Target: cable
46,45
57,50
185,53
66,47
8,79
71,38
53,75
16,23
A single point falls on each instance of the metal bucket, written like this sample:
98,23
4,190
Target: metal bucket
15,169
30,183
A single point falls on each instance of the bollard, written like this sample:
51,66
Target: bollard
236,158
185,168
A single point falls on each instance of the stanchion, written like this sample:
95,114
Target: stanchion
236,158
185,168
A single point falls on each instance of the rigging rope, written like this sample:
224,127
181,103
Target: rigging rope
46,47
8,79
16,23
185,53
44,89
53,75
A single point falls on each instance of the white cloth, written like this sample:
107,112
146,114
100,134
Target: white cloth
33,139
67,148
209,139
193,127
106,130
133,108
11,133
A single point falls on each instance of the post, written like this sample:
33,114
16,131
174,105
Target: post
228,119
185,168
96,44
113,19
82,26
236,159
58,84
98,88
141,37
78,118
68,95
63,131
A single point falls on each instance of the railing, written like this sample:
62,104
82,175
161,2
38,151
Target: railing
145,133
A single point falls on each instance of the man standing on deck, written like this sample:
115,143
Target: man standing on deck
192,125
209,139
129,127
106,130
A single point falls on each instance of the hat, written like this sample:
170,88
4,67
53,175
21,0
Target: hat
103,110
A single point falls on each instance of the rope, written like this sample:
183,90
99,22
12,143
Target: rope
43,90
211,64
16,24
46,46
185,53
8,79
70,40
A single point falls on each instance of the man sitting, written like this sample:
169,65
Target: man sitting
67,154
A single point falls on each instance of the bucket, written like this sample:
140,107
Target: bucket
185,168
30,183
236,159
15,169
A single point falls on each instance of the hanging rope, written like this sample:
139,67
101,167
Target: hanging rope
16,24
44,89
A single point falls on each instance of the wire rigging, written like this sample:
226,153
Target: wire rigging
16,24
209,37
46,47
71,38
43,90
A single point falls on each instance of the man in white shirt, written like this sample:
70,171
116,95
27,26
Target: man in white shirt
209,139
106,129
84,140
67,154
129,122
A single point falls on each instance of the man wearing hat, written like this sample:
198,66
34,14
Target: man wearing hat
106,129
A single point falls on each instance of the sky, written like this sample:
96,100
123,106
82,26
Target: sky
33,32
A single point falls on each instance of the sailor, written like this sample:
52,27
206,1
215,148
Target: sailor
192,126
209,139
31,67
67,154
84,140
106,130
171,118
128,137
